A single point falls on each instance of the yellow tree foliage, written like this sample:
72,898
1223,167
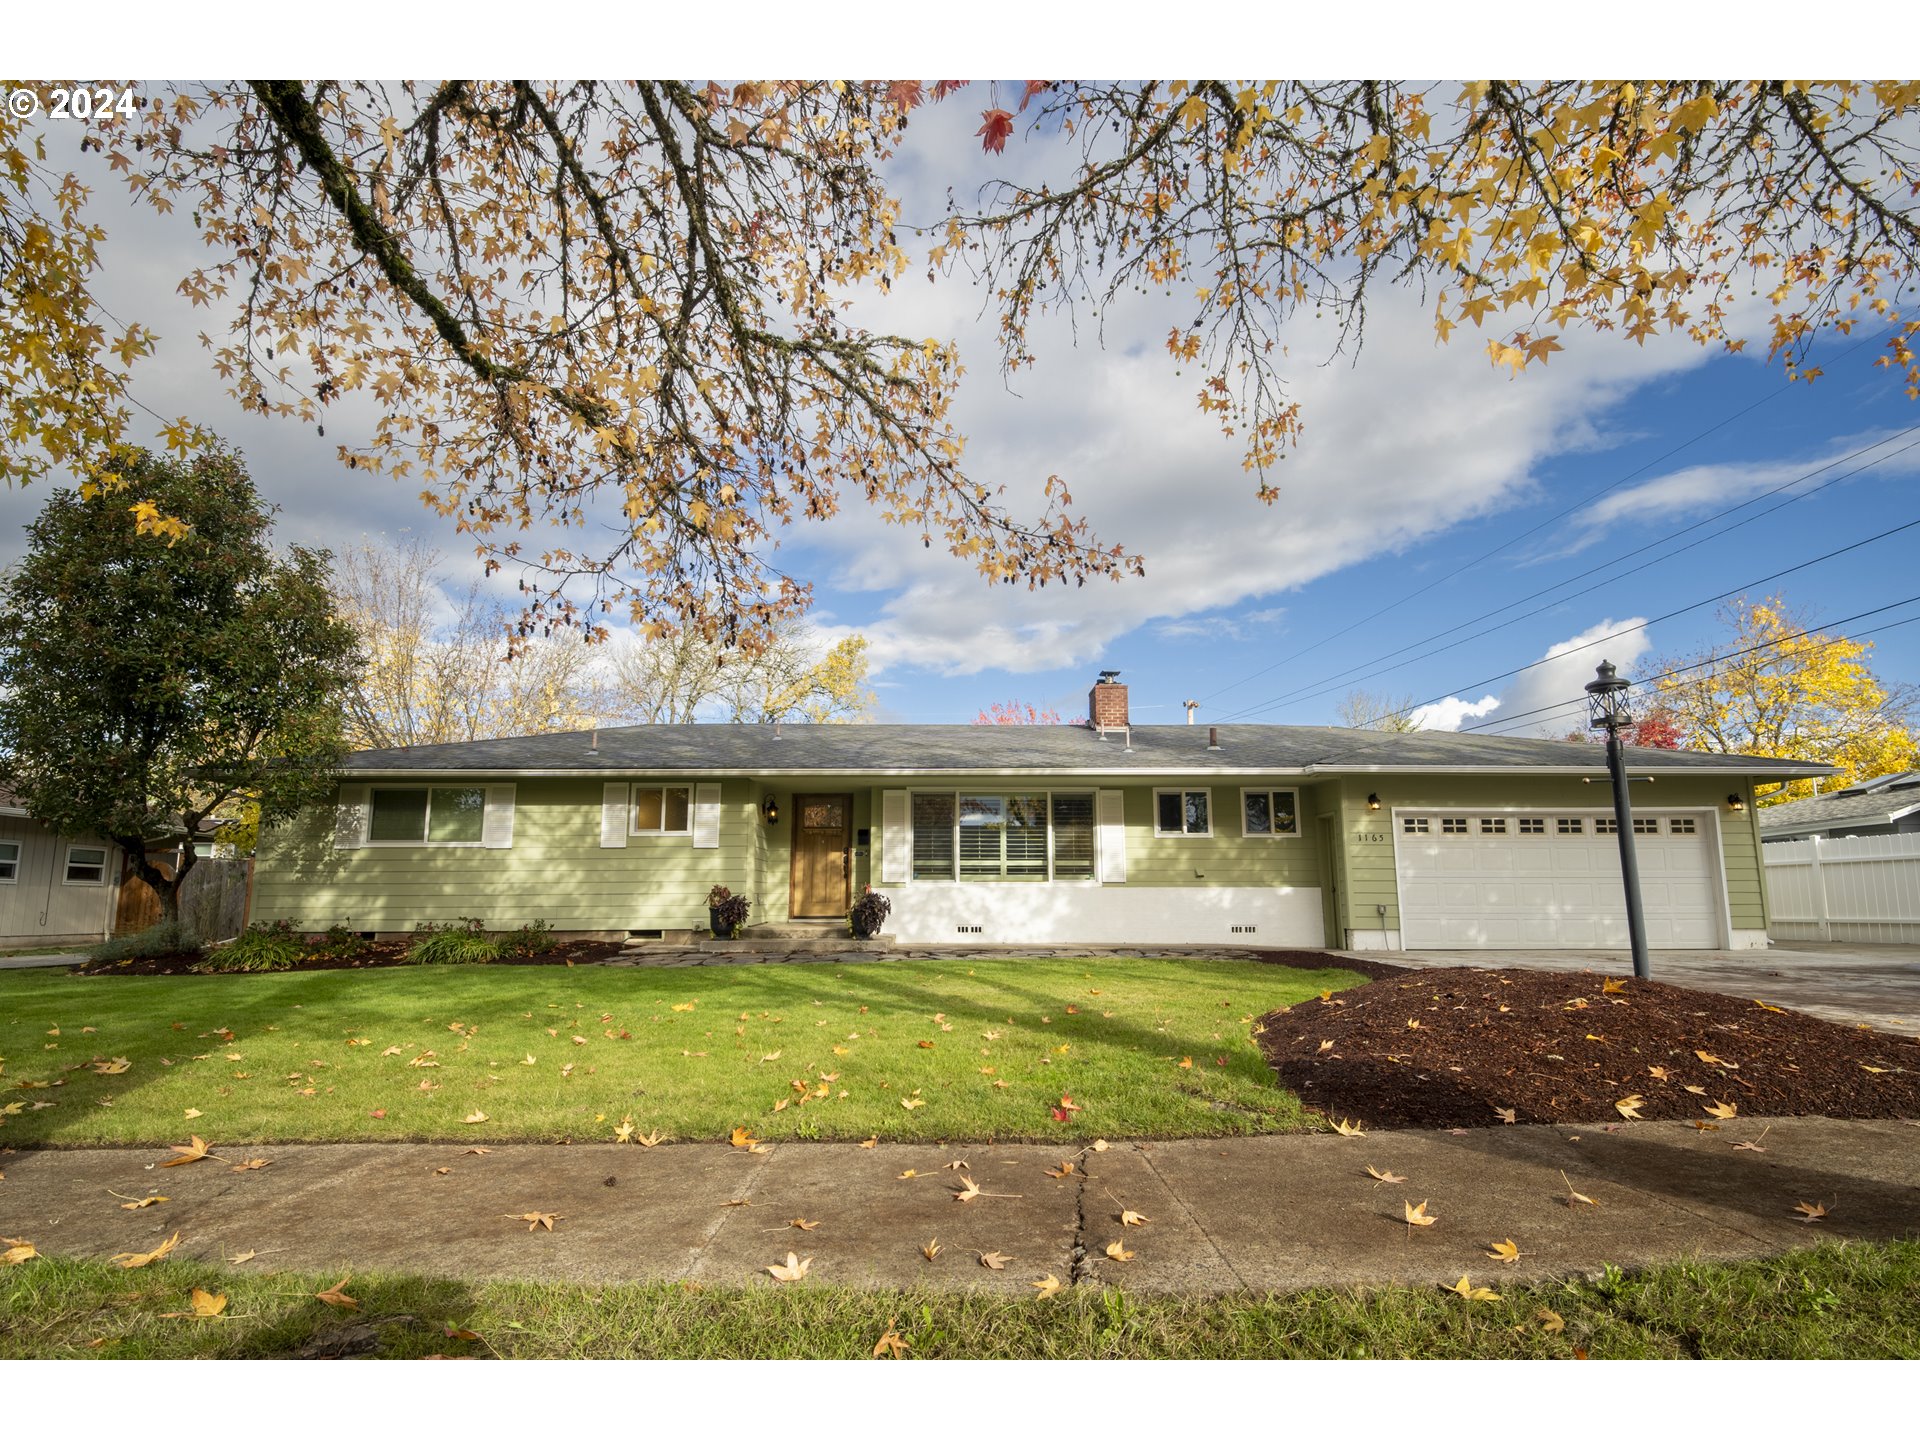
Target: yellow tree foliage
675,679
1800,695
612,316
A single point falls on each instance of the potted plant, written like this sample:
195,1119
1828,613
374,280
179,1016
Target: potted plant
726,912
869,913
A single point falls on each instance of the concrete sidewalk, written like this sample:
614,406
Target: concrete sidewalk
1265,1213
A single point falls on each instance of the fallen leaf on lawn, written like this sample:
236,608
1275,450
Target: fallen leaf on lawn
1507,1116
1574,1197
1417,1214
1716,1060
1118,1251
1386,1177
118,1065
579,1039
128,1260
476,1118
931,1248
205,1304
1348,1128
194,1149
682,1009
926,1045
1811,1211
891,1345
1505,1251
392,1050
648,1140
1550,1321
1629,1106
1185,1062
770,1055
18,1251
1468,1291
193,1114
529,1061
1133,1217
912,1102
994,1260
623,1132
741,1137
1046,1287
536,1219
142,1204
1066,1169
455,1332
794,1269
1725,1110
337,1296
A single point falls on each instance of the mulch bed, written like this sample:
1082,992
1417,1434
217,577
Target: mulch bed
1451,1048
379,954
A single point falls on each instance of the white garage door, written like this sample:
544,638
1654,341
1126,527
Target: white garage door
1472,880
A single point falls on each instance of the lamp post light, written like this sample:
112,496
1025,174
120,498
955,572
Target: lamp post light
1607,710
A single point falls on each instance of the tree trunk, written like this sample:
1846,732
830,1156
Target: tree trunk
166,887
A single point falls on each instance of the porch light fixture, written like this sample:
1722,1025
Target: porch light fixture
1736,804
1607,710
771,810
1373,802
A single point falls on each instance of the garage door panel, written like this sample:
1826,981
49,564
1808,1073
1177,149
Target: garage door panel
1495,888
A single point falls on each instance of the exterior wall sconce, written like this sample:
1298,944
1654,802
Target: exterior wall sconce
1736,804
1373,802
771,810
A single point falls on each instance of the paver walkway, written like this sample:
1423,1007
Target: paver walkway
1263,1213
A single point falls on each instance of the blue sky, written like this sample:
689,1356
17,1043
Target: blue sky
1417,460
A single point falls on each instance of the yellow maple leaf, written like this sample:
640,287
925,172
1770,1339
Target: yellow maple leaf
1505,1251
536,1219
1724,1110
1417,1214
1550,1321
1386,1177
1629,1106
143,1204
194,1149
18,1251
477,1117
129,1260
741,1138
891,1344
794,1269
337,1295
1046,1286
1810,1211
1469,1291
1117,1250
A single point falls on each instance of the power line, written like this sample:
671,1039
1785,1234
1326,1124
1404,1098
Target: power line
1327,684
1527,534
1507,720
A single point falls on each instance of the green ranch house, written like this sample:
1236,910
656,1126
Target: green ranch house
1104,833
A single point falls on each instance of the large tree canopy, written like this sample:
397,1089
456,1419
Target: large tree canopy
148,682
612,316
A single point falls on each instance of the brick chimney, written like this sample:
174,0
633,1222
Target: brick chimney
1107,702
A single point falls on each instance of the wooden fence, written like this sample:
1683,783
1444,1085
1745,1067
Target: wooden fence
1858,887
213,899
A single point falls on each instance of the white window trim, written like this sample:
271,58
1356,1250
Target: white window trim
1183,833
366,823
1049,878
1245,833
14,878
663,786
66,869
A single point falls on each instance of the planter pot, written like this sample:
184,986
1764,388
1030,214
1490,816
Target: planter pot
720,932
863,932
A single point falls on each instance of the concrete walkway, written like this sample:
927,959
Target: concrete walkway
1877,985
40,962
1256,1214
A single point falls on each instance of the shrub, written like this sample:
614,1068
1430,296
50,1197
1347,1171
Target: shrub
533,938
168,937
730,914
869,913
462,944
718,896
340,943
259,947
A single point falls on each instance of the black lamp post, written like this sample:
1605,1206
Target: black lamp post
1607,710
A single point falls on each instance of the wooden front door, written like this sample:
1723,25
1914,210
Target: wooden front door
822,856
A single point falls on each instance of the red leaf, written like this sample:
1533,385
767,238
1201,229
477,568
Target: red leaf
993,135
379,1114
904,94
1035,87
944,88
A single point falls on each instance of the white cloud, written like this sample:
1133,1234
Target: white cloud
1550,698
1450,713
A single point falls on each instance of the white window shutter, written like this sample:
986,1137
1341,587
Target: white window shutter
706,817
350,817
896,840
613,815
496,830
1113,837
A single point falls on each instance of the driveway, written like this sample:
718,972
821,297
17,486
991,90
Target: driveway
1877,985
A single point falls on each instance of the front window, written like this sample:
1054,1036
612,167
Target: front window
9,862
429,815
1269,812
933,837
86,865
1073,837
1182,812
1002,836
662,810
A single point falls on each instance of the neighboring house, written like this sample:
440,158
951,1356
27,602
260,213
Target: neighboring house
54,889
1888,805
1246,834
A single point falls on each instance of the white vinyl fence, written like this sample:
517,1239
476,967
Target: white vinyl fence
1859,887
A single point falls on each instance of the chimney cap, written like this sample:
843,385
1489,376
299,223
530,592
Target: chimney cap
1107,677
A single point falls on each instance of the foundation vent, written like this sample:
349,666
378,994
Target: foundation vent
1243,929
968,930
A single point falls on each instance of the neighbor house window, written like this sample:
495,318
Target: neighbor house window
933,837
662,810
1182,812
1019,836
9,862
86,865
427,815
1269,812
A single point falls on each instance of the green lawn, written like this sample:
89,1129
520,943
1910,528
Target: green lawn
911,1050
1837,1301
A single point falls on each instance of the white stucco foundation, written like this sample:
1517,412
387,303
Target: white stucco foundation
935,913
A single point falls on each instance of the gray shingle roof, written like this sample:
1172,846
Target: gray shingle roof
1875,807
1073,749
